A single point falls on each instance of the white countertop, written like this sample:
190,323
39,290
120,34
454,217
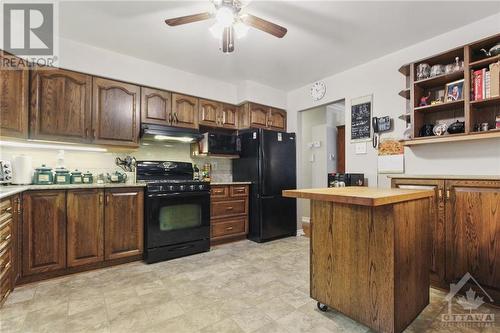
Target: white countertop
6,191
230,183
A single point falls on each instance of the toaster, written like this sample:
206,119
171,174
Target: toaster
5,172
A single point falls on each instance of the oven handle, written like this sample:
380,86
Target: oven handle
179,194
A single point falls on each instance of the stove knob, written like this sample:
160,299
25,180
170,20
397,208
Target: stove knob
171,187
182,187
201,187
192,187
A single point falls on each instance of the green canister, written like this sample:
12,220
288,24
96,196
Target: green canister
88,178
43,176
76,177
62,176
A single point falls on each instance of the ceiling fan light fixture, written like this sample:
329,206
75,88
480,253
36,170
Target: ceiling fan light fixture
240,29
216,30
225,16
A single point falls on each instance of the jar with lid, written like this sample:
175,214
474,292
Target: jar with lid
62,176
76,177
43,175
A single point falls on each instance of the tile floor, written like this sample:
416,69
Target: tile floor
240,287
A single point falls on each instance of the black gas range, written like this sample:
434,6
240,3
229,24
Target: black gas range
177,210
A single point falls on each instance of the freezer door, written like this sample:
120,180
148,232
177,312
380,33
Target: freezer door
278,162
246,168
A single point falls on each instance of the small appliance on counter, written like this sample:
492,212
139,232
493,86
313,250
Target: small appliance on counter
216,143
346,179
62,176
5,172
43,176
22,170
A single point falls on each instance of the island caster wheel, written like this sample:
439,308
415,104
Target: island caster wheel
322,307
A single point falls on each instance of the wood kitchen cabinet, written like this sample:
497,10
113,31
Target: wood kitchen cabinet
437,227
16,203
7,247
184,111
14,93
210,113
156,106
115,112
44,231
473,231
123,214
219,115
60,105
85,226
254,115
228,213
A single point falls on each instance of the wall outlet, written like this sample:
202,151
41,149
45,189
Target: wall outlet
306,219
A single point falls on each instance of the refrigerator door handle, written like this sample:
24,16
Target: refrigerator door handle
268,197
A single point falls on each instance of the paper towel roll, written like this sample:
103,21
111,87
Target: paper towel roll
22,170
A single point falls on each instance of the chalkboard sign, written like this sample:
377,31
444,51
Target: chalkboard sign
361,112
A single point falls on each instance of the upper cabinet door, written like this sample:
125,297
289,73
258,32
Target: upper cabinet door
156,106
210,113
184,111
13,98
229,116
258,115
473,231
60,105
115,113
277,119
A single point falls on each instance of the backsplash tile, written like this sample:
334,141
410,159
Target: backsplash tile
104,162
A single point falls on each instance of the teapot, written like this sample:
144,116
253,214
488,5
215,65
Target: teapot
493,51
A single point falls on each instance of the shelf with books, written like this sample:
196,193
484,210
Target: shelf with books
484,62
482,103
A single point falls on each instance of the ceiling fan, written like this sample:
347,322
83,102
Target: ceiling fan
230,21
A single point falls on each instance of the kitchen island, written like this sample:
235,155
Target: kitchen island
370,253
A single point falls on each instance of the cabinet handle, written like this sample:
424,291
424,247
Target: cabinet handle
107,199
101,199
223,118
86,132
176,118
448,194
229,228
440,194
7,210
6,237
93,133
229,208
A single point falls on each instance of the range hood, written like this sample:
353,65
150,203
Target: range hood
169,134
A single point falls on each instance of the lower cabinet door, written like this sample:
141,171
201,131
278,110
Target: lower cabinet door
473,231
123,215
85,226
44,231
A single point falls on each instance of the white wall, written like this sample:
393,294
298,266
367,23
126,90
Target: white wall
381,78
92,60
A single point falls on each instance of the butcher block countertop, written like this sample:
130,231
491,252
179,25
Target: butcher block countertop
457,177
363,196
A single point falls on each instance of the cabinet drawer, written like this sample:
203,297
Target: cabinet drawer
219,192
5,234
4,288
5,263
228,227
228,208
5,210
239,190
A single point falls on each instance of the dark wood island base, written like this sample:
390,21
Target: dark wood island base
370,258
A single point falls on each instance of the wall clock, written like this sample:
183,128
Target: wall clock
318,90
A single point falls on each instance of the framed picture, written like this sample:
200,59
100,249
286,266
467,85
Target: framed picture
454,91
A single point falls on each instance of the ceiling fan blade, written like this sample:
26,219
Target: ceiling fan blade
188,19
264,25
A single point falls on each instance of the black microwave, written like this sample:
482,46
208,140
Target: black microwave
217,143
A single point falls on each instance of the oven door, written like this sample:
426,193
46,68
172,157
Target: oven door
175,218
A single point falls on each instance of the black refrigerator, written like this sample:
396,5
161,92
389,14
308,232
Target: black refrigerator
267,160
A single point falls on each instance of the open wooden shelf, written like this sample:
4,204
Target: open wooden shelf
484,62
440,106
405,93
440,80
472,113
486,102
453,138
